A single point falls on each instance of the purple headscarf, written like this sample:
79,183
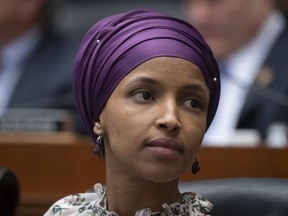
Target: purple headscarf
117,44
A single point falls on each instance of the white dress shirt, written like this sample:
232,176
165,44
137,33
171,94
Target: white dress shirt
243,67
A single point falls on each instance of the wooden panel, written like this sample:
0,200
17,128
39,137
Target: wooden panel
53,168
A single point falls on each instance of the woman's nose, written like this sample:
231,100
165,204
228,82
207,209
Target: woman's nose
168,118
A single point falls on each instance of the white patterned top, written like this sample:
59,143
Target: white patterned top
95,204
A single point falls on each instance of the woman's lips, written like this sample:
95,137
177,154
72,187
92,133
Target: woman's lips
166,146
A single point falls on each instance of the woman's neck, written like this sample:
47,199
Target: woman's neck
127,196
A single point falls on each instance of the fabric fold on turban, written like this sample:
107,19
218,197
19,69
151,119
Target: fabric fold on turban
115,45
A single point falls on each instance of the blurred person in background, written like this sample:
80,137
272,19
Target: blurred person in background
250,42
35,59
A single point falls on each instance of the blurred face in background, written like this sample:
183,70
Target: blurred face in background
16,16
227,24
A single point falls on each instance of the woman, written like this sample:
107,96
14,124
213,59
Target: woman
147,88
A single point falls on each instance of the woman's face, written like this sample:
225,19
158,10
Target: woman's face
155,120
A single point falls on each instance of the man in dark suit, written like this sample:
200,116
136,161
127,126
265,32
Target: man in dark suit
35,59
250,42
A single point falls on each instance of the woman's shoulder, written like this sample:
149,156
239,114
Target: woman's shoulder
190,204
198,201
88,203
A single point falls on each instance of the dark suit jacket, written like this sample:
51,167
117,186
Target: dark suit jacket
267,102
46,81
46,78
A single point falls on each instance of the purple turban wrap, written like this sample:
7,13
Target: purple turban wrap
117,44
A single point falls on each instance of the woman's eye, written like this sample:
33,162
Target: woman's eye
143,96
192,103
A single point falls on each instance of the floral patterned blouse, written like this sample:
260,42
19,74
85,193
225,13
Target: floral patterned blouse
94,204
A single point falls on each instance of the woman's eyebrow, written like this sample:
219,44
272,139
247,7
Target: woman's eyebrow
197,88
146,80
189,87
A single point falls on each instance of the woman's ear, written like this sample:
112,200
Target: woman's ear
97,128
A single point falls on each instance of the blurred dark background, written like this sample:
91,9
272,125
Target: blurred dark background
77,16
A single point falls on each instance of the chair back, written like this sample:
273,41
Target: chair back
9,192
243,196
